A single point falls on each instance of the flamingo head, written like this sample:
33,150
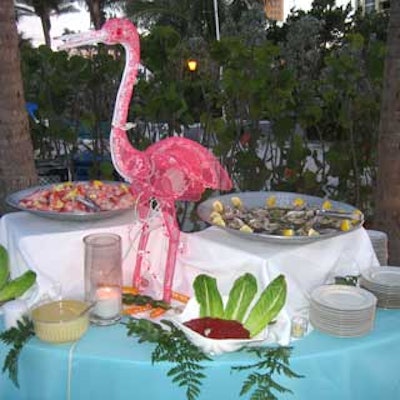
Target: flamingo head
114,31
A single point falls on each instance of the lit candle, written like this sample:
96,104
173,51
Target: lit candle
299,327
108,302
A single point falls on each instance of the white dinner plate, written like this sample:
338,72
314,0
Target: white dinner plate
383,276
341,332
343,297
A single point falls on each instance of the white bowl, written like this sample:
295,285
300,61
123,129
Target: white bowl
209,345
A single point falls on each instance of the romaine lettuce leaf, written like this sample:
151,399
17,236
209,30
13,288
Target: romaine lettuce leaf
240,297
208,296
268,306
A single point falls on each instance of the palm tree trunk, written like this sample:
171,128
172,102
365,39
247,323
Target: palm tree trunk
387,214
46,26
96,12
17,168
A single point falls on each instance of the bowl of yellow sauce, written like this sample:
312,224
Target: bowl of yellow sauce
61,321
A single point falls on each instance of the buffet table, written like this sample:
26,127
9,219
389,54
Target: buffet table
54,249
107,364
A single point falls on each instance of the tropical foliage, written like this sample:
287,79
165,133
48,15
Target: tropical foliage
44,9
75,101
292,107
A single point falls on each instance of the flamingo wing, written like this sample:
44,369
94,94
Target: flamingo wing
184,169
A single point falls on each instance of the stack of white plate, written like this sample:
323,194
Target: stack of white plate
342,310
384,283
379,241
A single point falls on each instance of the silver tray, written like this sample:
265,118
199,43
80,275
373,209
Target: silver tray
14,199
283,199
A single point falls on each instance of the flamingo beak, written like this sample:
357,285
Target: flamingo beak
81,39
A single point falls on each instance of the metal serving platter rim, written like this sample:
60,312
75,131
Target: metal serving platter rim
13,200
204,210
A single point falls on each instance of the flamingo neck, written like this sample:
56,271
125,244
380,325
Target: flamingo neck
128,161
125,89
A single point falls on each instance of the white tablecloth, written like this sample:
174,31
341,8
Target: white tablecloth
54,249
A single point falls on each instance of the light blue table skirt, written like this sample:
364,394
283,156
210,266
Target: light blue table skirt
106,364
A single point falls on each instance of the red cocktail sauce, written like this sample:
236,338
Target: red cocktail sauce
216,328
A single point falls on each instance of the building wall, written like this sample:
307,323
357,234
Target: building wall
274,9
373,5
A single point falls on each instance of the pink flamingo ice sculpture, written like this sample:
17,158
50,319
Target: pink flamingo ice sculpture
172,169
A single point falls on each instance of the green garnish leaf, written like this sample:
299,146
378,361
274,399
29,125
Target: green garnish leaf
268,306
187,371
260,383
240,297
140,300
208,296
17,337
172,346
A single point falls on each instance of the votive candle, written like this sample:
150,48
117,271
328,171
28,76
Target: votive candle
108,302
299,327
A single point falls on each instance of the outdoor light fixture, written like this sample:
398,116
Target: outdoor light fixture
192,65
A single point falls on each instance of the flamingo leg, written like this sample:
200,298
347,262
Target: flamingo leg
173,233
143,210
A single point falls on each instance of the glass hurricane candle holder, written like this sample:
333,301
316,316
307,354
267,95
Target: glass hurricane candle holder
103,277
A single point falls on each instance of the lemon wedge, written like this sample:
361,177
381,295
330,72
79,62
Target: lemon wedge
357,217
215,214
271,201
298,202
246,229
327,205
218,221
345,225
288,232
236,202
312,232
218,206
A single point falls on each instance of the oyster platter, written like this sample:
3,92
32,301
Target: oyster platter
280,216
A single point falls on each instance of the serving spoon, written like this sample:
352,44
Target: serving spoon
338,214
88,203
